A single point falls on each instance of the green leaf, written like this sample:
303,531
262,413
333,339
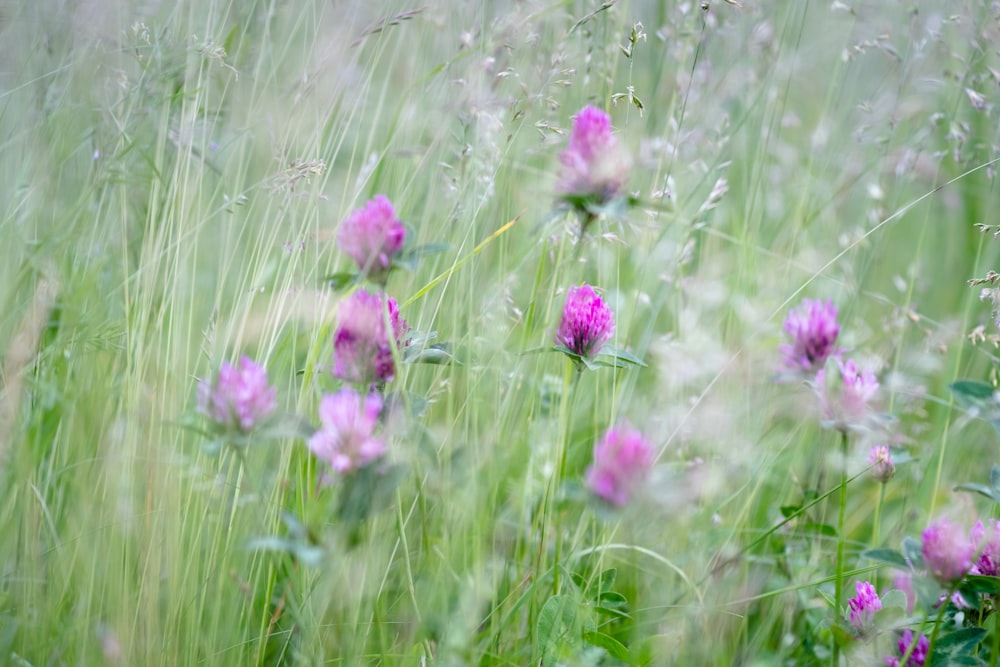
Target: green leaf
342,280
971,391
956,643
995,479
612,598
622,356
914,552
788,511
439,353
556,623
894,599
614,647
979,583
819,529
981,489
606,579
887,556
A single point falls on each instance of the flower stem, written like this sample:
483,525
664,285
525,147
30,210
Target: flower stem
838,594
878,516
561,454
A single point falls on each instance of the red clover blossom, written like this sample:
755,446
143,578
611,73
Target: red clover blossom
622,460
864,605
587,322
345,440
592,165
239,398
372,235
361,348
813,329
947,551
918,657
882,466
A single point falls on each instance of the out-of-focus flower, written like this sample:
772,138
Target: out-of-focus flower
813,330
986,539
593,167
903,582
847,407
373,235
947,551
239,398
918,657
587,322
622,460
882,466
362,351
346,437
864,605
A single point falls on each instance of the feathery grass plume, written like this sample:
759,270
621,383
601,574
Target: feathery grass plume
622,461
373,236
918,655
362,351
883,467
813,329
240,397
947,551
346,439
863,606
587,322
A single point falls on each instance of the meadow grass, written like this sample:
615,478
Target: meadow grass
173,176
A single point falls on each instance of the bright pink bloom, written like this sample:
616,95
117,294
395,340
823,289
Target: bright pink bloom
345,440
986,539
587,322
947,551
882,466
864,605
813,329
361,348
622,460
239,398
592,165
372,235
919,655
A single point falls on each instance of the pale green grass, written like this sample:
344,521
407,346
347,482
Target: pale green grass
176,175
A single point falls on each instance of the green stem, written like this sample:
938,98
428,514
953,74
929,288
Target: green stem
561,454
838,593
878,516
995,639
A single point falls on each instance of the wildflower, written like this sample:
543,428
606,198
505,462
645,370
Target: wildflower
947,552
918,657
813,329
849,408
345,440
986,538
904,583
864,605
587,322
240,397
882,466
372,235
622,459
593,168
361,348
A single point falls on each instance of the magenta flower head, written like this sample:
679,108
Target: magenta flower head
593,168
863,606
622,460
239,398
847,407
813,329
373,235
587,322
362,351
947,551
986,540
345,440
882,466
918,656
